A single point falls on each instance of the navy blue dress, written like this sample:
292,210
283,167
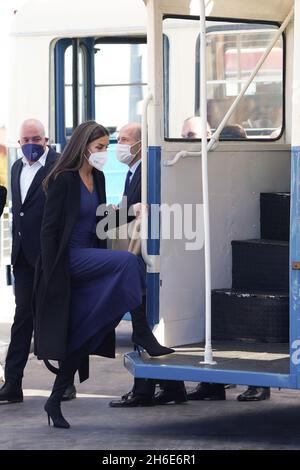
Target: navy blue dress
105,284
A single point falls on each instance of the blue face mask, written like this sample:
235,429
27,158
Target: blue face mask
33,152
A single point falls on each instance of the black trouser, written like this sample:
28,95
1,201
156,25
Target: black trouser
147,386
22,328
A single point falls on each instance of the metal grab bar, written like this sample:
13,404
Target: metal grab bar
152,261
179,155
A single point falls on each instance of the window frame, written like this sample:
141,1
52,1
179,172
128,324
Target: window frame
197,74
86,44
142,39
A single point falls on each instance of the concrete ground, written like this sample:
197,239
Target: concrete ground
198,425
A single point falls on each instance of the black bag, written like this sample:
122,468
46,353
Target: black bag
3,193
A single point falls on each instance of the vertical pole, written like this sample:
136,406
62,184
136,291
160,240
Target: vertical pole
75,88
208,356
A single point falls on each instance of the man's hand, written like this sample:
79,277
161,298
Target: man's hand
138,209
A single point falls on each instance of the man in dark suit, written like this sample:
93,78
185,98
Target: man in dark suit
129,153
28,199
3,193
142,394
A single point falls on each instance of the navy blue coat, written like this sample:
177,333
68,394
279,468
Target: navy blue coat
27,216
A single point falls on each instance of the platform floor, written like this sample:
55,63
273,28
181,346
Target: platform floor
236,362
230,355
214,425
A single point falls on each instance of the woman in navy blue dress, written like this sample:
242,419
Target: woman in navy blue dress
82,290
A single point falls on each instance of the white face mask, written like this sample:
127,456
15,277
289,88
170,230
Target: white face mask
123,153
98,159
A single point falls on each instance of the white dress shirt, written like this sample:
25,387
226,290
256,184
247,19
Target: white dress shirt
29,171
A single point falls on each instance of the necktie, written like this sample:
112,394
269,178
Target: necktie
127,183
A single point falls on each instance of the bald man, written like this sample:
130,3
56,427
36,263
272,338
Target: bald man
129,153
28,198
142,394
191,128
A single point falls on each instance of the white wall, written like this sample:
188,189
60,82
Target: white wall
237,175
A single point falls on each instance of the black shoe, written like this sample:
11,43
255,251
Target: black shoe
70,393
163,397
255,394
229,386
131,400
207,391
10,394
52,408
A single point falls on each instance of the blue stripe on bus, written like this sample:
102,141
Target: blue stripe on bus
154,197
295,256
153,298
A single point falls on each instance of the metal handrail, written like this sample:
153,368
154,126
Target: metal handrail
152,261
208,355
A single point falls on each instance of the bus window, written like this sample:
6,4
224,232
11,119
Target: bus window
105,80
120,86
120,82
233,50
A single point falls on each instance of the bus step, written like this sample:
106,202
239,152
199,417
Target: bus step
275,216
250,316
261,265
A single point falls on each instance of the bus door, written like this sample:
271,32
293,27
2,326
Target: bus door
232,49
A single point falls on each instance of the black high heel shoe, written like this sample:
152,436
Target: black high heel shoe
142,334
150,344
53,411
